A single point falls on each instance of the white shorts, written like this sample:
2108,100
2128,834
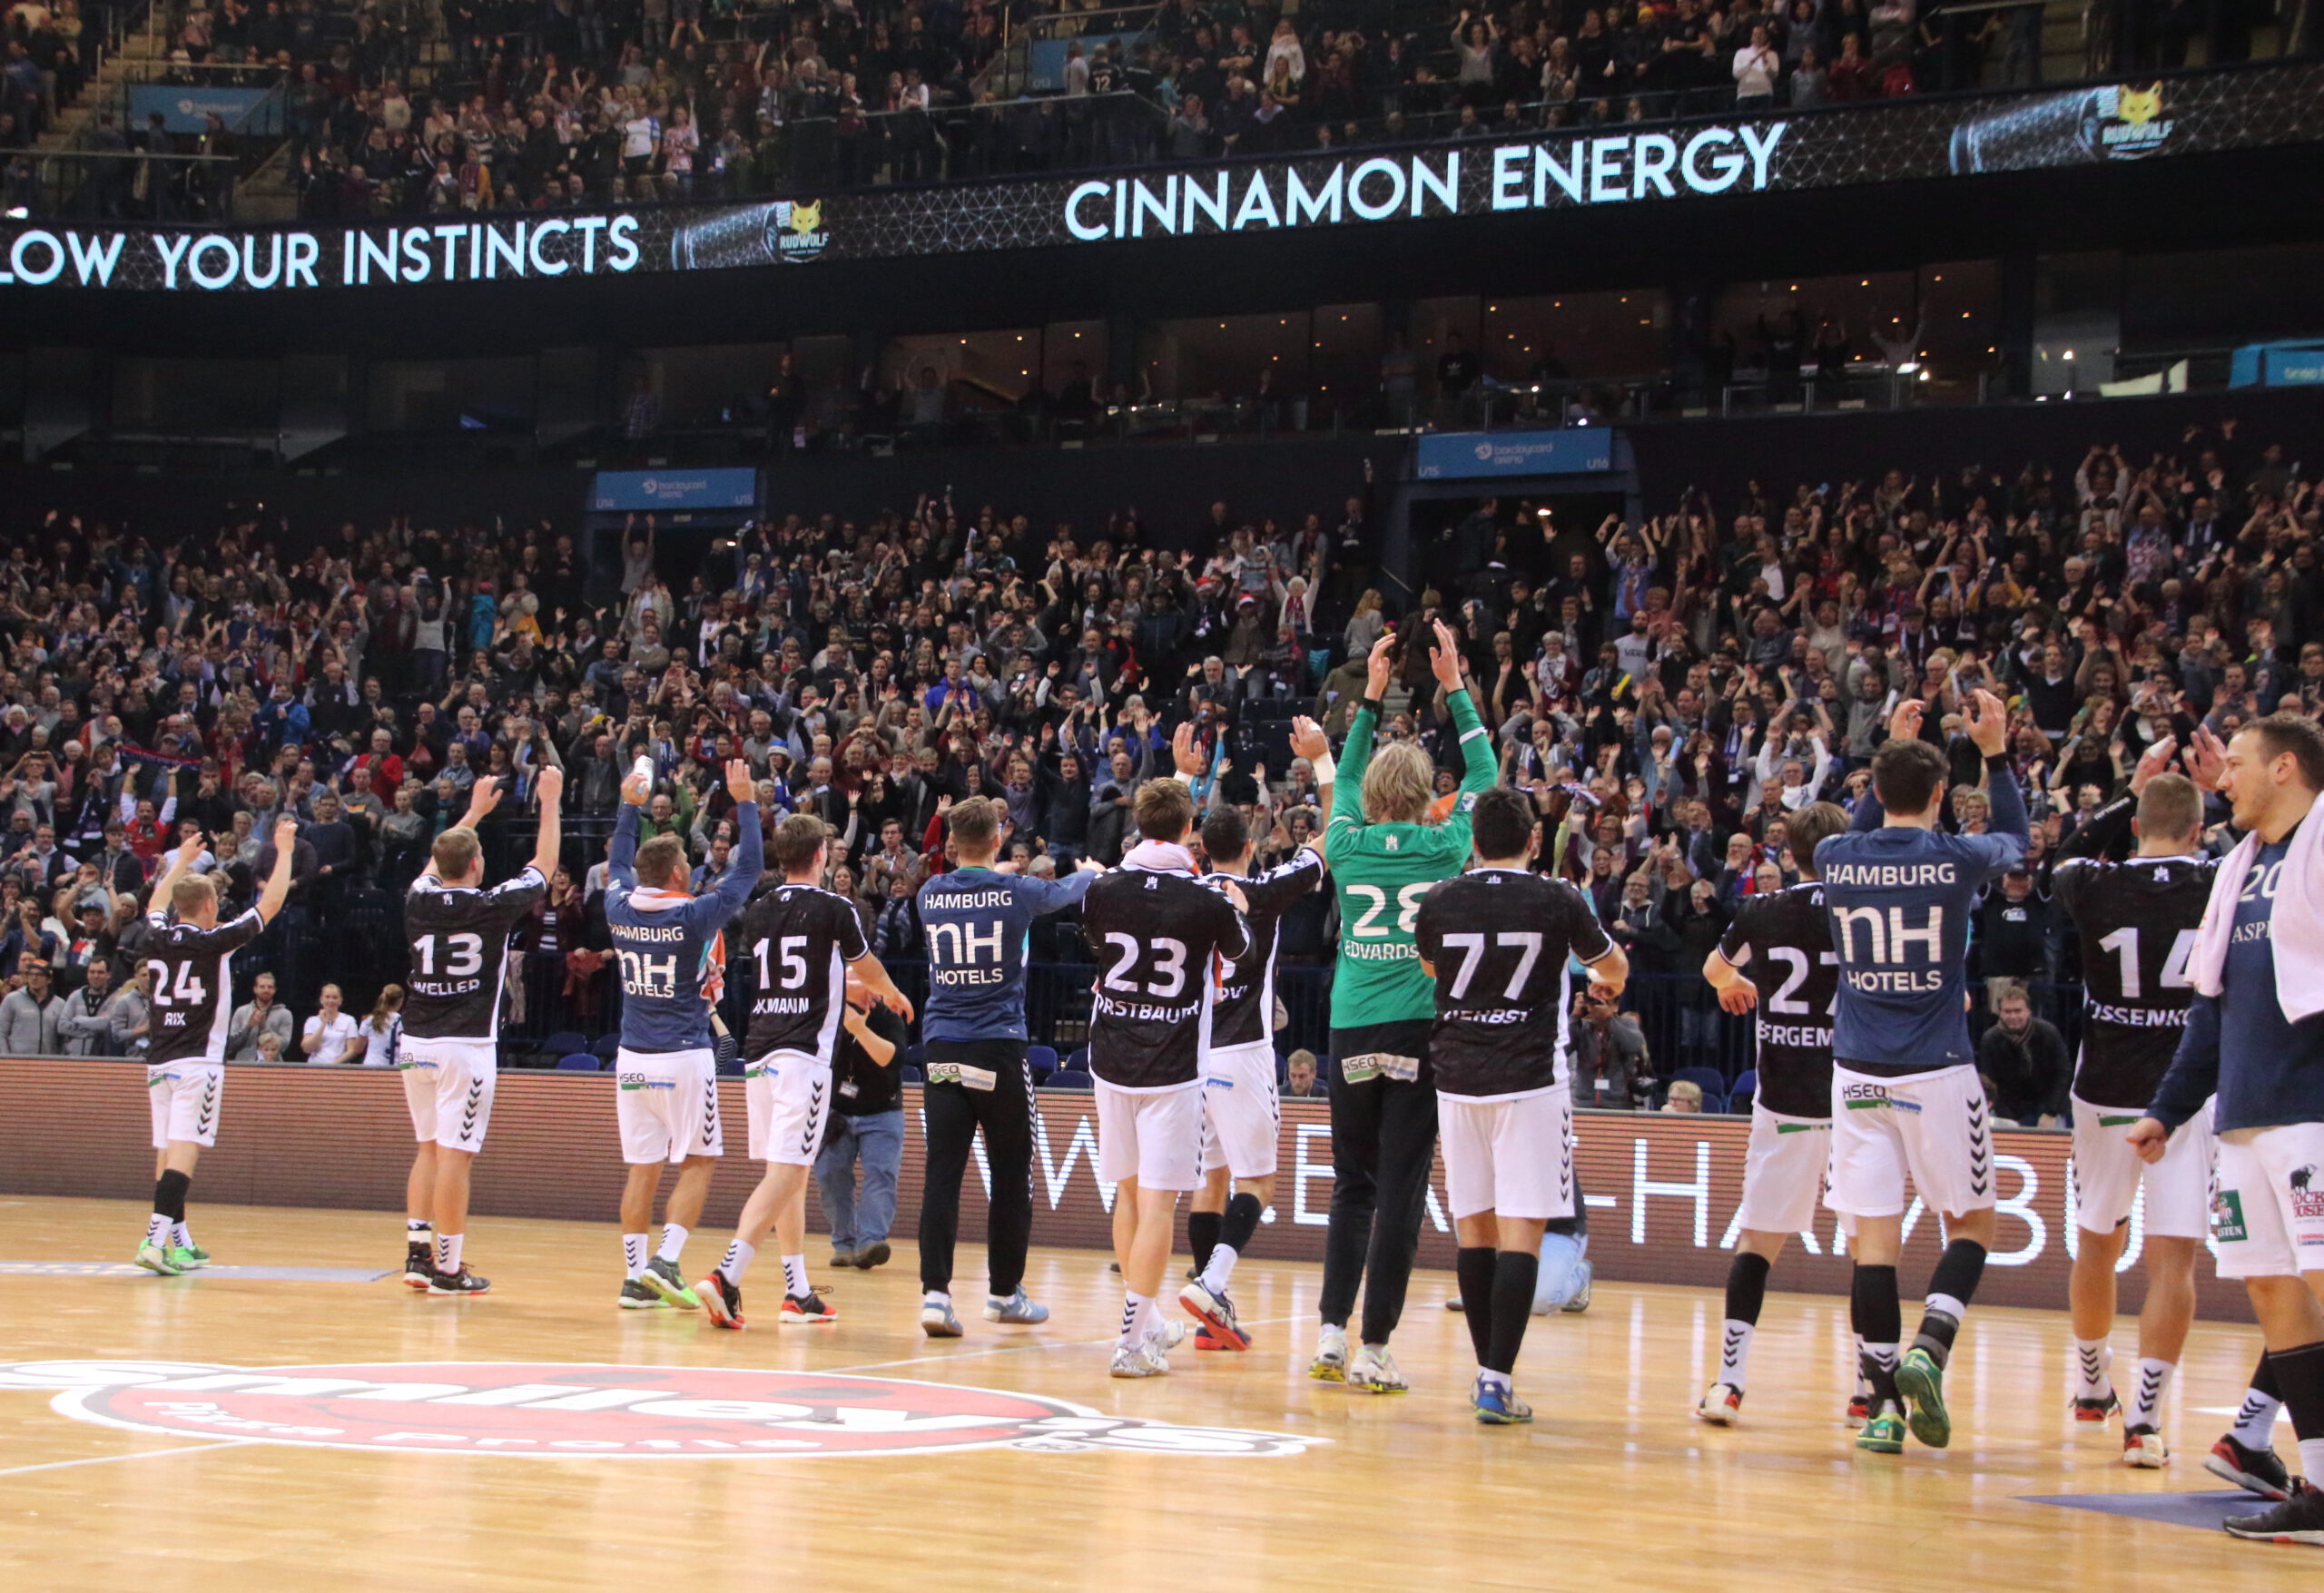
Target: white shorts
2271,1206
2108,1173
1934,1126
789,1097
1508,1155
1154,1138
448,1084
1784,1170
1239,1114
667,1105
184,1097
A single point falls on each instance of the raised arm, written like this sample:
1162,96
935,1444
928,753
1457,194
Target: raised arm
550,786
621,855
1347,798
733,887
1989,728
873,975
278,883
1477,768
180,862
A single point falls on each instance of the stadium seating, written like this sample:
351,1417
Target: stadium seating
578,1062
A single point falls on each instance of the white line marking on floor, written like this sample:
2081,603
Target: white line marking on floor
229,1444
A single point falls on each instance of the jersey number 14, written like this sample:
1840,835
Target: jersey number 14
2124,944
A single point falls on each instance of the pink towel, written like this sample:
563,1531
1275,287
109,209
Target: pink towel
2296,922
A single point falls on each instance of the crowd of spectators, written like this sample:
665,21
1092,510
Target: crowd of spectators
1668,690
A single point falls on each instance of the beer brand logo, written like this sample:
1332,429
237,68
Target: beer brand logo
569,1411
2131,123
2227,1217
800,226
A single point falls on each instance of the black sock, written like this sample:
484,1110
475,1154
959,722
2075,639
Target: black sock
2263,1378
1474,1266
169,1194
1881,1319
2299,1372
1514,1273
1950,1289
1242,1221
1202,1236
1746,1286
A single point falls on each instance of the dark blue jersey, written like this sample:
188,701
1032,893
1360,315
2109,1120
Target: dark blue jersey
667,942
976,924
2266,1069
1900,900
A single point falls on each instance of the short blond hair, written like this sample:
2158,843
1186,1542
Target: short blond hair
455,853
193,894
1399,785
1163,808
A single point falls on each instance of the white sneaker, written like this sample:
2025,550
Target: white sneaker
2143,1448
1144,1358
1721,1404
1374,1370
937,1321
1330,1364
1167,1335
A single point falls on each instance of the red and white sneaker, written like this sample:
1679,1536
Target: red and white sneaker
2253,1471
1720,1405
2143,1448
1205,1339
2097,1411
1859,1409
1215,1312
721,1300
809,1307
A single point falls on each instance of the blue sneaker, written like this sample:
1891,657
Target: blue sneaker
1497,1404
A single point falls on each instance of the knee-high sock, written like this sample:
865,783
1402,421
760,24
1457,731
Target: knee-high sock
1950,1289
1746,1290
1881,1319
1474,1266
2299,1372
1514,1273
2255,1423
1202,1235
1240,1221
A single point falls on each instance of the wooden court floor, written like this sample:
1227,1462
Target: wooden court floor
1614,1486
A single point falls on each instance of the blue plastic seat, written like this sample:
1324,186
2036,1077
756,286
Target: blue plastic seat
1043,1060
564,1043
578,1062
606,1045
1069,1078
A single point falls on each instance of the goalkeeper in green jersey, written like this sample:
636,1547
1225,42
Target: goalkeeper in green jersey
1384,853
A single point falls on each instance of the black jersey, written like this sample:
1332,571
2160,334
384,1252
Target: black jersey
193,993
1244,1015
1790,930
1499,939
1155,934
459,954
2137,921
799,940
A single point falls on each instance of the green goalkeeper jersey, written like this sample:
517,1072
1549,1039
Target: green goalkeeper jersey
1380,872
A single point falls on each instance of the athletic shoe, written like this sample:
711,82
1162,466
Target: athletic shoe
419,1266
1217,1313
2299,1519
2253,1471
1721,1404
1454,1305
873,1254
938,1320
1144,1358
1330,1364
636,1296
1921,1382
721,1300
661,1277
1580,1300
187,1259
840,1258
155,1259
808,1307
1373,1371
2143,1448
1167,1335
1883,1434
1859,1410
1497,1404
1017,1308
2088,1409
459,1280
1205,1339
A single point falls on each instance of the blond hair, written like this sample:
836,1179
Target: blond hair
1399,785
455,853
191,894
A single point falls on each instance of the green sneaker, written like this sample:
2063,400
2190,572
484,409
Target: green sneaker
1884,1434
661,1277
1921,1382
189,1258
636,1296
155,1259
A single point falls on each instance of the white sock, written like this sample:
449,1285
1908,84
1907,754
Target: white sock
674,1241
1499,1380
418,1233
2311,1457
1956,1309
934,1297
157,1230
1861,1385
2255,1423
795,1276
633,1251
2146,1399
447,1251
1134,1308
1735,1351
1219,1268
2091,1358
180,1235
738,1261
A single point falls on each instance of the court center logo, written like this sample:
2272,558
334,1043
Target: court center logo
577,1412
